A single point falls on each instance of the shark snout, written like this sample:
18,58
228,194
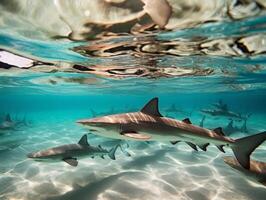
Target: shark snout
86,122
82,121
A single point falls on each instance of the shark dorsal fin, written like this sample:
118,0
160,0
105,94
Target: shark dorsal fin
83,141
219,131
151,108
193,146
187,121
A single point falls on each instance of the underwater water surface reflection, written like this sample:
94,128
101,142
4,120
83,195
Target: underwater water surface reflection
63,62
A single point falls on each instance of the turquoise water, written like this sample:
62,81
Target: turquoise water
193,67
154,169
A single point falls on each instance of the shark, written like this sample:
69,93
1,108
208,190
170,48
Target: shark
148,124
224,112
10,124
202,121
220,105
230,128
70,153
256,172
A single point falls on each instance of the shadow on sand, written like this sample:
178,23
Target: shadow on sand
92,190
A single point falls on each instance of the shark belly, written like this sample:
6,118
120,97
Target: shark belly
162,132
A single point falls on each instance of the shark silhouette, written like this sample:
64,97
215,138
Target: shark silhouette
230,128
149,125
70,152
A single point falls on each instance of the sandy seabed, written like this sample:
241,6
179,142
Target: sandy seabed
153,171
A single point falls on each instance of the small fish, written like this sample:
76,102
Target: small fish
71,152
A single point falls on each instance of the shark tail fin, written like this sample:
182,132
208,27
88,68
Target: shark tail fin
243,148
111,153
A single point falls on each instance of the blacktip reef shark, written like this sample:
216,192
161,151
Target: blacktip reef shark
149,125
70,152
256,172
225,113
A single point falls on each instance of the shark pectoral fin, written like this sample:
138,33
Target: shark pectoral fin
220,147
111,153
135,135
174,142
219,131
187,121
193,146
203,147
71,161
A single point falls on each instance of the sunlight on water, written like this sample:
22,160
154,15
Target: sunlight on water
62,61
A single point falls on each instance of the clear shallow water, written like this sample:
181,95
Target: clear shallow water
220,56
154,170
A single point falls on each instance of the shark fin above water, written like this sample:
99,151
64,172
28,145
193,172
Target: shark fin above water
187,121
151,108
135,135
219,131
83,141
71,161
